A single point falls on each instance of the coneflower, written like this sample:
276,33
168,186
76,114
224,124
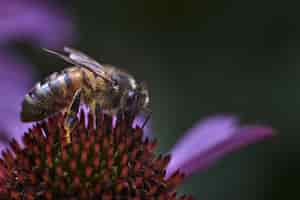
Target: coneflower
113,160
42,166
109,162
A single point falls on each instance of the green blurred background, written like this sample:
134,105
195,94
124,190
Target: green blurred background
205,57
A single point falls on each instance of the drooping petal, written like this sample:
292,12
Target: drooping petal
211,139
34,21
14,82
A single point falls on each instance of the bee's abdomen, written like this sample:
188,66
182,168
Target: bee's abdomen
51,94
65,84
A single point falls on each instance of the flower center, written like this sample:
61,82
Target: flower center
109,162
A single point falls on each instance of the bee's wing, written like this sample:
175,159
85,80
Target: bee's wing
83,58
78,58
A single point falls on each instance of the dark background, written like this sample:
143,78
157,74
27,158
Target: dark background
201,58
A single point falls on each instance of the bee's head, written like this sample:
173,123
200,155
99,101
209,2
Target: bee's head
135,96
137,99
143,95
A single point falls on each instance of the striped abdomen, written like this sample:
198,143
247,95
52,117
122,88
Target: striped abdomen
52,94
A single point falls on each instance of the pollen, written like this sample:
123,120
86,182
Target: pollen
107,162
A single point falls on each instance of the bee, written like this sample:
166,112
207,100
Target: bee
87,82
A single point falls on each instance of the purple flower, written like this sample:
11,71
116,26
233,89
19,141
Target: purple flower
39,22
113,160
45,25
199,148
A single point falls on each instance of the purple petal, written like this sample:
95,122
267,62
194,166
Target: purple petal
211,139
139,121
14,82
37,21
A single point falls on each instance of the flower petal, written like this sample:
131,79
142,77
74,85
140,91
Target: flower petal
147,129
37,21
14,82
210,140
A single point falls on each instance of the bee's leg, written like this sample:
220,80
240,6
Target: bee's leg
71,119
120,115
148,115
98,115
92,105
95,110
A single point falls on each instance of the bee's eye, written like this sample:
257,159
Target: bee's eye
145,98
146,101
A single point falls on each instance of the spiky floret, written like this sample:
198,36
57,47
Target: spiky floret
109,162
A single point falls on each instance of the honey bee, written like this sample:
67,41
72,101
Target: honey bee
87,82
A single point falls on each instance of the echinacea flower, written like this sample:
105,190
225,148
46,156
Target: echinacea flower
103,163
106,162
113,161
40,23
